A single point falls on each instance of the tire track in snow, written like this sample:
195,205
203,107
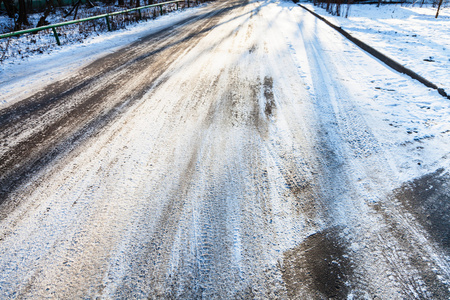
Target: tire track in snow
226,178
38,129
352,146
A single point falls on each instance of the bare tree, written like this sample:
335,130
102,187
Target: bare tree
9,6
439,7
75,8
338,7
23,16
49,7
349,3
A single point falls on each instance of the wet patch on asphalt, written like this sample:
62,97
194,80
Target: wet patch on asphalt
318,267
268,95
428,199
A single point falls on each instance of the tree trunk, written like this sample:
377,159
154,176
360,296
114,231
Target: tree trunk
439,6
29,6
48,9
10,8
75,6
349,3
23,16
338,7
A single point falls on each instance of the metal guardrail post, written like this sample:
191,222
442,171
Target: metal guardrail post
188,2
140,16
108,23
56,36
160,10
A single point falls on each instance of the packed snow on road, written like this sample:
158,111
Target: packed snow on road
242,149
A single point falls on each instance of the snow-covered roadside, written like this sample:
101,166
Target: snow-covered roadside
409,35
410,121
22,77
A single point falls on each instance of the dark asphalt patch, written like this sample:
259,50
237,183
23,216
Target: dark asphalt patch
428,199
268,95
320,264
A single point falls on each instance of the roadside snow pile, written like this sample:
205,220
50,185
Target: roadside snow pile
410,35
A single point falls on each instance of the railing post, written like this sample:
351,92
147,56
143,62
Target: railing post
56,36
160,10
140,16
177,5
108,23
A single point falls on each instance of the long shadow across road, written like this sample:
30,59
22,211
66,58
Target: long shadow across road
52,122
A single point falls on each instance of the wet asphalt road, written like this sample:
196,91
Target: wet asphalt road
196,163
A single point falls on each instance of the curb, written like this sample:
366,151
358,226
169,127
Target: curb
377,54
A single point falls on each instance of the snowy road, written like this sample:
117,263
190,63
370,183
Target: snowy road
247,151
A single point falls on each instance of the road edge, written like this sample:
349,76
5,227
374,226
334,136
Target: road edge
377,54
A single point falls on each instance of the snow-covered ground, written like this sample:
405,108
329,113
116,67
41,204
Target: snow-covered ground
408,34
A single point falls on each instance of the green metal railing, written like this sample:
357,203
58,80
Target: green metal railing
106,16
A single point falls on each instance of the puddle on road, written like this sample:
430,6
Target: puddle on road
318,267
428,199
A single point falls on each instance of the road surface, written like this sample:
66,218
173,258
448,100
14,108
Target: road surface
226,156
